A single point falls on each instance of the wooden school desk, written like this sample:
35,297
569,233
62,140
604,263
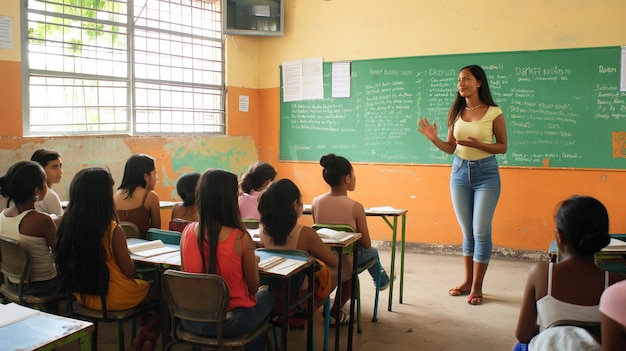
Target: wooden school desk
384,213
286,282
171,260
38,330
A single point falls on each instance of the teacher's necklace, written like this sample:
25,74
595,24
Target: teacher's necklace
473,108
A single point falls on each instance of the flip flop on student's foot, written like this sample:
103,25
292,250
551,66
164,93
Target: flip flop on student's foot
475,299
344,319
456,291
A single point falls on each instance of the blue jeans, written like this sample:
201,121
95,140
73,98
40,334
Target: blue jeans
475,189
366,255
241,321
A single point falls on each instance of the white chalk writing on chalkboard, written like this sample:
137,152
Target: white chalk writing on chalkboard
564,106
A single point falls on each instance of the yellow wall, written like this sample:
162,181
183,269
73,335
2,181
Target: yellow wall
361,29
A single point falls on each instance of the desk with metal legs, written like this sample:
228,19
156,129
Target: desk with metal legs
385,213
339,247
395,213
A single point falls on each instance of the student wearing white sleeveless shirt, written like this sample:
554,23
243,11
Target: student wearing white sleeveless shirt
571,288
52,164
23,184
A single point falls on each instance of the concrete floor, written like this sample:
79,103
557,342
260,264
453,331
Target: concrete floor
428,319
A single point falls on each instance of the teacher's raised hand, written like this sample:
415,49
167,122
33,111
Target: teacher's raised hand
424,127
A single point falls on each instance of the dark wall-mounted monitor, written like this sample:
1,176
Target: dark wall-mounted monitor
253,17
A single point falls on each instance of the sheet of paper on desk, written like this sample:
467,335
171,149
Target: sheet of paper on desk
13,313
254,232
383,209
335,235
150,248
280,265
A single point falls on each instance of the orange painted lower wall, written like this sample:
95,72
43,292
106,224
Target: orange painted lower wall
10,98
523,219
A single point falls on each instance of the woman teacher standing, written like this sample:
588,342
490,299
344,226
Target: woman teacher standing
476,132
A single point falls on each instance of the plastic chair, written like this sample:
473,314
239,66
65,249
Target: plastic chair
130,229
166,236
15,264
77,310
178,224
362,267
202,298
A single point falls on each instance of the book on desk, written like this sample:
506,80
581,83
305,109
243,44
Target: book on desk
331,235
613,257
13,313
150,248
280,265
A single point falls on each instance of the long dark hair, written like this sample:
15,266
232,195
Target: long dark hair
335,168
483,92
21,180
258,174
216,200
80,251
583,222
136,167
278,215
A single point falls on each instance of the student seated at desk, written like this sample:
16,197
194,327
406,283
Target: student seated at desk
93,257
280,206
135,199
52,164
22,185
186,188
613,310
335,207
219,244
252,184
570,289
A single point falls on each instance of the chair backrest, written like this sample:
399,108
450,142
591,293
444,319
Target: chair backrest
166,236
14,262
130,229
250,223
178,224
196,297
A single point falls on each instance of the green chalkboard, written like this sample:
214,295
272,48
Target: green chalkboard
563,108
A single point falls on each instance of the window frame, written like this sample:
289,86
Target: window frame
211,119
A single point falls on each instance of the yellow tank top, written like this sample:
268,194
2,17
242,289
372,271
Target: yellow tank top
481,129
124,293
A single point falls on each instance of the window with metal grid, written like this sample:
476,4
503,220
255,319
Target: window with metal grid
122,67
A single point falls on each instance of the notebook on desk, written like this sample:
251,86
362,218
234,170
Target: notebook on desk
150,248
615,245
280,265
13,313
327,234
382,209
